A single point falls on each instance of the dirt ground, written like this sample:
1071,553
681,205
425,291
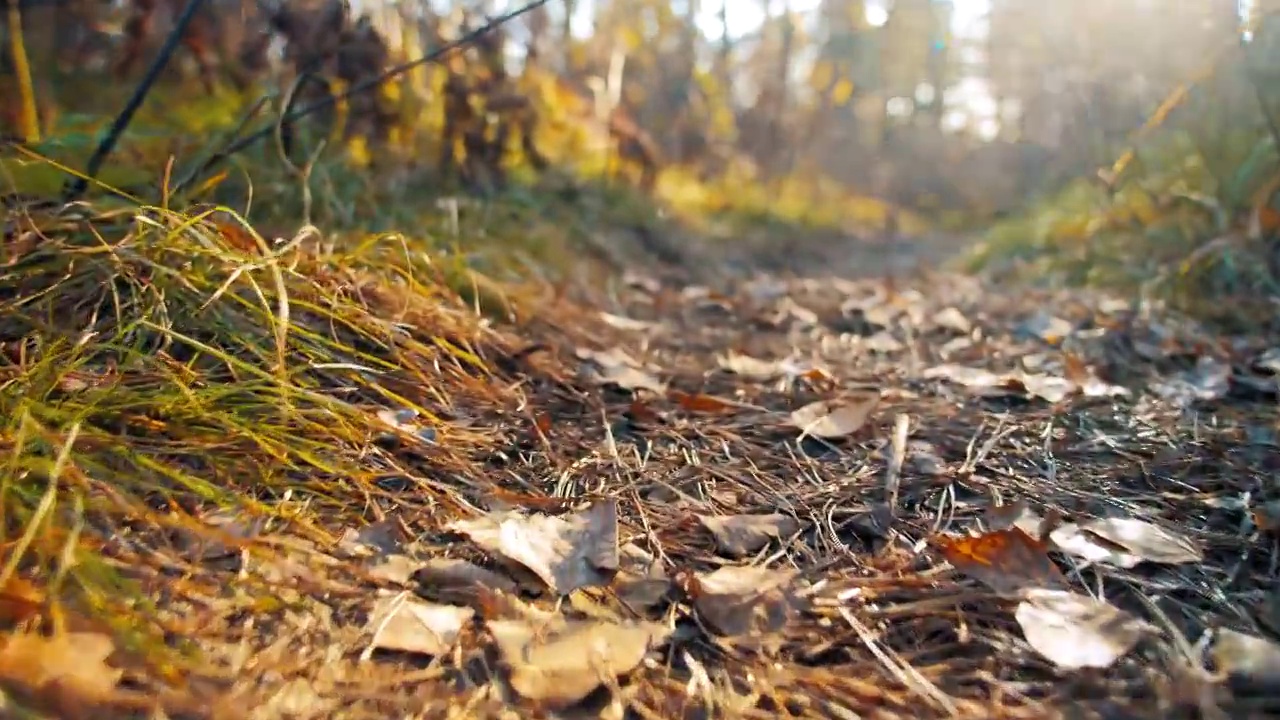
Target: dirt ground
830,492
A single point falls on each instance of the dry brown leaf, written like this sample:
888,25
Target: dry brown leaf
1075,370
1267,516
1017,514
628,324
640,582
1047,387
750,367
1047,327
222,524
616,367
882,342
629,378
699,402
565,552
1005,560
1247,657
402,623
395,568
1076,631
65,670
741,535
561,663
1124,542
952,319
975,378
20,600
835,419
1268,361
745,600
377,538
453,576
607,358
1210,379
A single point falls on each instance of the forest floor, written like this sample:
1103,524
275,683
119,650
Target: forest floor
248,481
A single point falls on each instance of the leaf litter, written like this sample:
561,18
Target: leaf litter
714,558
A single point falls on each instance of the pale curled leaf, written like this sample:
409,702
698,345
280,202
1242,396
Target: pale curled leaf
1046,327
566,553
640,582
406,624
741,535
737,601
455,575
562,662
1047,387
750,367
1076,631
395,568
72,664
1210,379
1246,656
952,319
962,375
1124,542
616,367
628,324
834,419
882,342
377,538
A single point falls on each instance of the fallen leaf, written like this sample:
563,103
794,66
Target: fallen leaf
699,402
20,600
561,663
952,319
565,552
744,600
1209,380
923,458
882,342
377,538
629,378
642,282
395,568
1046,327
1268,361
616,367
64,671
402,623
626,323
750,367
1267,516
221,524
402,421
1076,631
640,582
1124,542
1005,560
1075,370
1047,387
834,419
741,535
1246,657
1017,514
452,577
966,376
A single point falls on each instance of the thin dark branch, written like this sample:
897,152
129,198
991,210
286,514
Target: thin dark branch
356,89
77,186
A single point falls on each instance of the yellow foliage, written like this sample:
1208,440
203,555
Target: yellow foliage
823,75
842,93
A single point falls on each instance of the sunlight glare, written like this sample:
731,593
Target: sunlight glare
877,15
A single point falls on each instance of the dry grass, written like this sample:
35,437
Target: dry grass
191,425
